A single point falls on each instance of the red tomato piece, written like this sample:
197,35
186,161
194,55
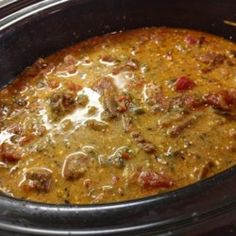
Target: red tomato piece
191,40
183,83
149,178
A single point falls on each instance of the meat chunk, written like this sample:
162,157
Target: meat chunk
151,179
9,153
143,143
40,68
130,64
192,101
62,102
177,129
74,87
107,89
75,166
38,179
110,104
108,60
43,66
113,102
69,64
130,127
155,98
223,99
169,119
213,59
104,84
70,59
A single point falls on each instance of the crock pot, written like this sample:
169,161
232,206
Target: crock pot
32,29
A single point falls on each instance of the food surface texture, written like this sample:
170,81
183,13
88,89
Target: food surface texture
120,117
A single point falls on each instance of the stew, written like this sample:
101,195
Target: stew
120,116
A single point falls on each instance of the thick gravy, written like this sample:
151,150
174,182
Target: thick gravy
119,117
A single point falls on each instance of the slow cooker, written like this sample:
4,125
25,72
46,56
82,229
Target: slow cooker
32,29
